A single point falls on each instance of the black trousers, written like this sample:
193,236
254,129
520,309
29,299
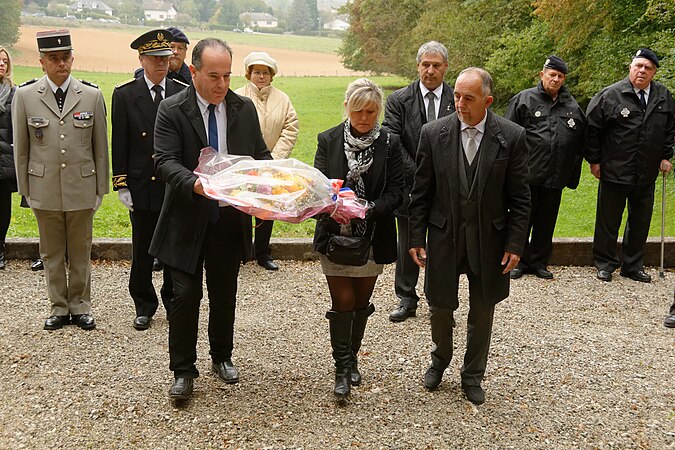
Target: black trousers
142,291
261,242
407,272
222,253
478,333
543,216
612,200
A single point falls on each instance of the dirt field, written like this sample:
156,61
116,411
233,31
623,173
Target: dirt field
109,51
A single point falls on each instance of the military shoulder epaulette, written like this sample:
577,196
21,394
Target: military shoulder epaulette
182,83
26,83
124,83
89,83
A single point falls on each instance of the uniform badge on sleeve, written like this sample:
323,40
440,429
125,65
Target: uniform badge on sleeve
83,115
625,112
571,123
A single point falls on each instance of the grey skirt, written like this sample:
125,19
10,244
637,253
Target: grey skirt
370,269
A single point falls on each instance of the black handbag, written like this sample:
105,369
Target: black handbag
348,250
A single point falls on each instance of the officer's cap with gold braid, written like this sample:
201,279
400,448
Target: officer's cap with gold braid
154,43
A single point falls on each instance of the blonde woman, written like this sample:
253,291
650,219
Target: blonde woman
7,171
368,158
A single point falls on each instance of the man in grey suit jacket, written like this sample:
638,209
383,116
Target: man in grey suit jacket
193,233
61,158
469,213
407,110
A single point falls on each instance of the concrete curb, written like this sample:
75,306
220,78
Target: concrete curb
566,251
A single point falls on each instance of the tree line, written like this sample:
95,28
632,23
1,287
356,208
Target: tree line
511,38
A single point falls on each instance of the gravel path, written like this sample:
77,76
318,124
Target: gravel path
575,363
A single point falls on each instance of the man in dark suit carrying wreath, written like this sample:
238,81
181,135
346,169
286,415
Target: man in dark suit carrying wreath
195,233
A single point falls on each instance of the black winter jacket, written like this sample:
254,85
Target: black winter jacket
7,170
555,135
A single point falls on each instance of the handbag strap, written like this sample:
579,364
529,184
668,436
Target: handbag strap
384,182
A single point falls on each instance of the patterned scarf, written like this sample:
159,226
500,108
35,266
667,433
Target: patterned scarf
359,153
5,89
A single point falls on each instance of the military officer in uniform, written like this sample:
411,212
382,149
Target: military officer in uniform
555,125
629,138
61,157
134,108
178,70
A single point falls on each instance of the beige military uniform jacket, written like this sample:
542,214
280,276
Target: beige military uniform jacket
61,158
278,119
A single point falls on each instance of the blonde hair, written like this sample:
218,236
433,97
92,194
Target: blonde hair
7,79
361,93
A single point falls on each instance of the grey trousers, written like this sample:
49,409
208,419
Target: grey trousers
478,335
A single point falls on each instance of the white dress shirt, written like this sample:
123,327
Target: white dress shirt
151,85
54,87
437,101
480,127
221,121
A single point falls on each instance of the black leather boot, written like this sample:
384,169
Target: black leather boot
341,340
2,256
358,329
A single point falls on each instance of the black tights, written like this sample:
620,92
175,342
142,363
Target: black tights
350,294
5,213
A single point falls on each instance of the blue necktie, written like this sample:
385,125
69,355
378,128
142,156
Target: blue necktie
642,99
213,127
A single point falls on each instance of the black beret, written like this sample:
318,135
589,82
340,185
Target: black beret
178,35
647,54
555,63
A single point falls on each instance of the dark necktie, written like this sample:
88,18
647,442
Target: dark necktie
213,127
158,94
60,97
643,100
431,109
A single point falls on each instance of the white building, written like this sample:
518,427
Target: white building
336,25
159,11
91,5
259,20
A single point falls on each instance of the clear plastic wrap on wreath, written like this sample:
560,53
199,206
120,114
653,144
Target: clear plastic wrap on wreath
284,189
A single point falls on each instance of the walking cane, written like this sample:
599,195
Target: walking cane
663,224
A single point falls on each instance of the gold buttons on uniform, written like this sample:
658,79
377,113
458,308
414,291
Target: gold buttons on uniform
63,152
61,123
152,178
93,170
144,134
63,166
62,136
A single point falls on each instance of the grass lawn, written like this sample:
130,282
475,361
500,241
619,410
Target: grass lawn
318,101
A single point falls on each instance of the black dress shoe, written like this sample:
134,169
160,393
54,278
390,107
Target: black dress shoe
157,265
516,273
543,273
475,394
142,323
226,371
268,264
401,313
56,322
432,378
639,275
84,321
604,275
669,321
37,265
181,389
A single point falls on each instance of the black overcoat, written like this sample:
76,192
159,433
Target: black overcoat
503,197
180,136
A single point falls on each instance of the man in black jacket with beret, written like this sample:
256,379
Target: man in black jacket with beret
629,138
555,125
